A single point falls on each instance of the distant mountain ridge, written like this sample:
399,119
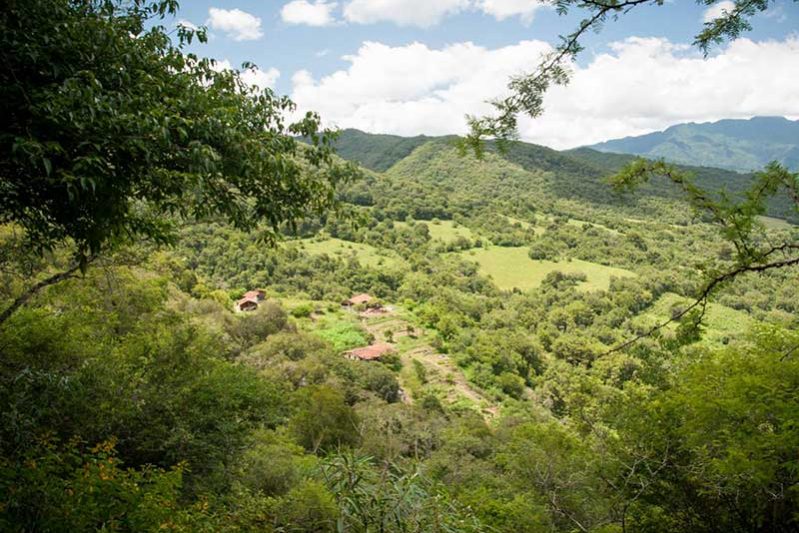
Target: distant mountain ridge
741,145
430,166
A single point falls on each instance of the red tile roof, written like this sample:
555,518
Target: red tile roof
375,351
257,294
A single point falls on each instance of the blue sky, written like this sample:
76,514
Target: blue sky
354,61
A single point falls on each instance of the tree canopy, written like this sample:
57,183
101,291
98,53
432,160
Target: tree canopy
112,131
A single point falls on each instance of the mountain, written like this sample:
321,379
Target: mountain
376,151
432,170
741,145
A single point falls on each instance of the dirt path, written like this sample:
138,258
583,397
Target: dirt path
442,373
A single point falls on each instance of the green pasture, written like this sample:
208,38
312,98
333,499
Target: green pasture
511,268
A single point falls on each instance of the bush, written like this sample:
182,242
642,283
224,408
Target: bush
302,311
381,381
323,421
252,328
420,370
309,507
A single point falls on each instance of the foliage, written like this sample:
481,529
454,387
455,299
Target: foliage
391,499
110,126
73,488
323,421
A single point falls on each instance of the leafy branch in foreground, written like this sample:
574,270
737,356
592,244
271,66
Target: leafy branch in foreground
111,133
756,251
527,91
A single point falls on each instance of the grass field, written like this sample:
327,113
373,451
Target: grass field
366,255
342,332
512,268
444,230
721,321
522,223
775,223
543,221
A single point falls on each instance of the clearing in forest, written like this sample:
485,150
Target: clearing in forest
425,370
366,255
444,230
722,323
775,223
511,268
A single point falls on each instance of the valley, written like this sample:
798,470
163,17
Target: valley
220,313
490,299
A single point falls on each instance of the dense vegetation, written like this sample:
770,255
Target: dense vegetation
134,398
257,422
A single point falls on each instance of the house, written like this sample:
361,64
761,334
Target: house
247,304
257,295
250,300
369,353
358,299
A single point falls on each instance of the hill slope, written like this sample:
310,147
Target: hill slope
426,168
742,145
376,151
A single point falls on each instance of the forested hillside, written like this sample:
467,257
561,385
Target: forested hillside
506,296
742,145
581,172
242,332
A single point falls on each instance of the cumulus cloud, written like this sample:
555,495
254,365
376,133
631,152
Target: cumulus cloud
426,13
319,13
423,13
640,85
503,9
262,79
235,23
717,10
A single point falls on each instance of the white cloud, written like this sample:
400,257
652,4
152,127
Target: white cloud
423,13
717,10
237,24
641,85
426,13
503,9
260,78
319,13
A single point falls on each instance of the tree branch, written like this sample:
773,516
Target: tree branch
702,299
31,291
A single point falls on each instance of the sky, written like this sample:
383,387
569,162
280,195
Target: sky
410,67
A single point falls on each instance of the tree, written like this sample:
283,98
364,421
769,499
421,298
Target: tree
111,132
323,421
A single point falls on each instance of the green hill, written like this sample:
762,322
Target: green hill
430,170
376,151
742,145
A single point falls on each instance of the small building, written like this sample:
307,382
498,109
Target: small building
247,304
250,300
358,299
370,353
257,294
